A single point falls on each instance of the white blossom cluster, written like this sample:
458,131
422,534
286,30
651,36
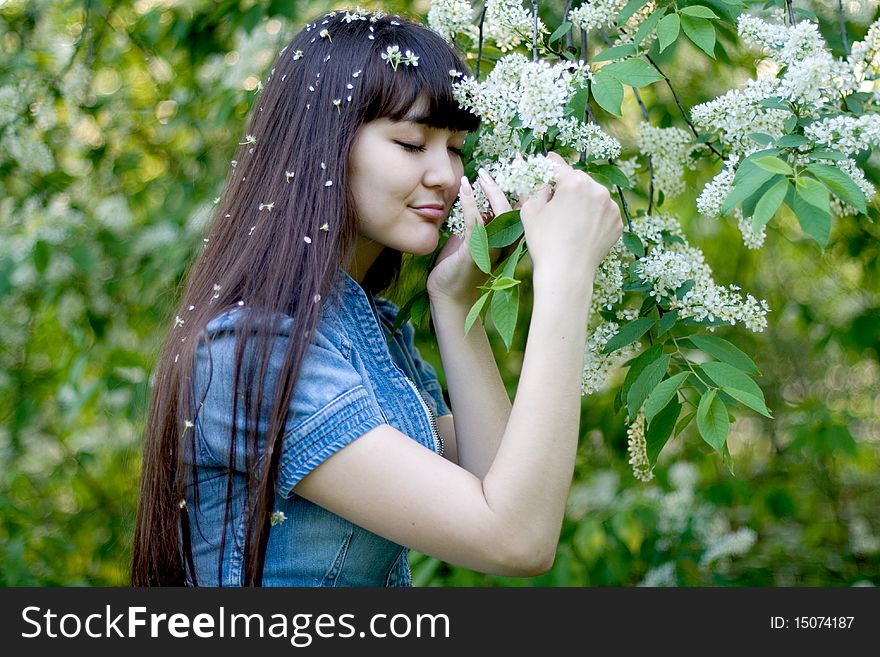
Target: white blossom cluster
729,544
508,23
848,134
521,176
638,449
455,222
864,56
596,14
711,199
661,576
751,239
736,114
667,266
451,17
495,98
588,138
598,366
545,89
668,148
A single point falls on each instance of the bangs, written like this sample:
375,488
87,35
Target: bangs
395,93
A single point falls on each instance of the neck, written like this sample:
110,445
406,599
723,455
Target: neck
365,255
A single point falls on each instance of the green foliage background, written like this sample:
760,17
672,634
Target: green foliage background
117,124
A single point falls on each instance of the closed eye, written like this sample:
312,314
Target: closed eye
411,148
455,150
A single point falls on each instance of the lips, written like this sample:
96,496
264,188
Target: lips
432,211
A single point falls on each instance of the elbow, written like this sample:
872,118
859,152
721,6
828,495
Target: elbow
529,560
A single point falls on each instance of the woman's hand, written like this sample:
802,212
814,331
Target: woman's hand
571,228
455,275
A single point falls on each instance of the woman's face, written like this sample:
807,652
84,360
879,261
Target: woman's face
404,177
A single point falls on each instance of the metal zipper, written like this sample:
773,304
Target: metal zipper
439,446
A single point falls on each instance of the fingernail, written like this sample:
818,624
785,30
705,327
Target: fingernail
483,173
465,183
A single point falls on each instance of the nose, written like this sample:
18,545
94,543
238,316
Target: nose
443,169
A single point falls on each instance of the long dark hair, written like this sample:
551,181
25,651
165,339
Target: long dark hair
289,179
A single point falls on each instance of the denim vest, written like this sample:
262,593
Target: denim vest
353,378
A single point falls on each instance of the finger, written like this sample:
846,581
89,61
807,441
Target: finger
538,199
468,206
497,200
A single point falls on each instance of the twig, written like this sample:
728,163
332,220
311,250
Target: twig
535,31
790,11
480,42
841,14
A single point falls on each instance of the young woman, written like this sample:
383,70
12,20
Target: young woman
293,439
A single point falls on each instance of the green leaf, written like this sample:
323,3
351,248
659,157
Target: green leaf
647,381
791,141
509,267
503,283
773,165
480,248
504,229
637,366
635,72
769,203
629,333
748,205
632,242
577,103
748,179
699,11
682,424
505,308
827,154
761,137
660,430
526,140
612,173
724,351
775,103
647,26
667,30
474,312
712,420
608,91
751,401
615,52
728,376
560,31
815,221
701,32
667,321
839,182
813,192
684,288
662,394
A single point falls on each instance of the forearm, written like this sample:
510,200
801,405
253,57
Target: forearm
480,404
528,483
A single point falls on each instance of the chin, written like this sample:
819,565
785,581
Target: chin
425,245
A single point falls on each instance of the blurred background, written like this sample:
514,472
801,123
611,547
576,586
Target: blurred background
118,121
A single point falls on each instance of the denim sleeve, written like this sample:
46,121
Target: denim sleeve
329,408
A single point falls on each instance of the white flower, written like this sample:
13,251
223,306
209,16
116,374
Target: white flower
638,449
596,14
522,176
598,366
729,544
450,17
277,518
508,23
714,193
668,148
588,138
393,56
